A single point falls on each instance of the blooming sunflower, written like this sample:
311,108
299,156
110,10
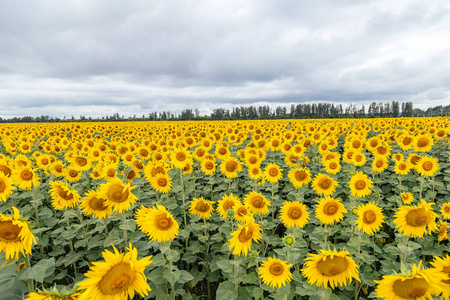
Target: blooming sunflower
241,212
427,166
370,218
358,159
180,158
26,178
294,214
445,210
407,198
241,239
257,203
379,164
324,185
93,205
225,204
81,163
401,168
330,268
254,173
419,284
161,183
54,294
63,196
202,208
120,276
6,187
117,195
275,272
272,173
443,266
330,210
332,166
360,185
208,166
299,177
443,233
15,236
414,220
72,175
423,143
157,223
230,167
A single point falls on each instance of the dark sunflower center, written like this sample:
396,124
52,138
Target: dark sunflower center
231,166
360,185
300,175
117,279
246,234
9,232
369,217
447,209
209,165
202,207
358,158
402,167
253,160
356,144
332,266
26,175
330,208
446,270
423,142
162,182
158,170
415,159
325,183
382,150
65,195
273,172
44,161
379,163
222,151
2,186
81,161
131,174
97,204
116,193
255,171
411,288
258,201
5,170
373,143
242,211
276,269
427,166
58,168
228,204
73,173
294,213
162,222
418,217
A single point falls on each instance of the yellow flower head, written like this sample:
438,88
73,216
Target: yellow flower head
370,218
360,185
294,214
330,210
202,208
241,239
275,272
257,203
414,220
324,185
157,223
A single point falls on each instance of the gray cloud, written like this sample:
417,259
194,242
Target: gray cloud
86,57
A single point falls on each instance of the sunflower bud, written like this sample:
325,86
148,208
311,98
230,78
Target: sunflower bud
289,240
230,212
254,254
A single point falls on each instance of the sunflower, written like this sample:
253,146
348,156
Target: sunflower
330,210
241,212
230,167
5,168
180,158
56,168
330,268
63,196
252,159
442,232
332,166
161,183
72,175
401,167
324,185
360,185
117,195
15,236
407,198
120,276
226,203
445,210
370,218
26,178
202,208
423,143
379,164
241,239
208,166
254,173
275,272
414,220
294,214
443,266
93,205
54,294
81,163
358,159
427,166
157,223
109,171
6,187
299,177
257,203
272,173
419,284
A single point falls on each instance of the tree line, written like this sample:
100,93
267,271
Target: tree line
295,111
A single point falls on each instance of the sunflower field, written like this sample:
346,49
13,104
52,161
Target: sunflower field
273,209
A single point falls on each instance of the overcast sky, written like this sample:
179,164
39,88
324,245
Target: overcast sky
96,58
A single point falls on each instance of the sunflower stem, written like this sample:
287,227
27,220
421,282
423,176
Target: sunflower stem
124,222
184,200
30,281
211,187
80,217
325,233
405,243
421,188
236,282
106,227
169,260
36,212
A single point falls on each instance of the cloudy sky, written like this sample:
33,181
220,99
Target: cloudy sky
96,58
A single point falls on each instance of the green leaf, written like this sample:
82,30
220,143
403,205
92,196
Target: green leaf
251,278
258,292
225,266
226,291
174,255
171,277
184,276
42,269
